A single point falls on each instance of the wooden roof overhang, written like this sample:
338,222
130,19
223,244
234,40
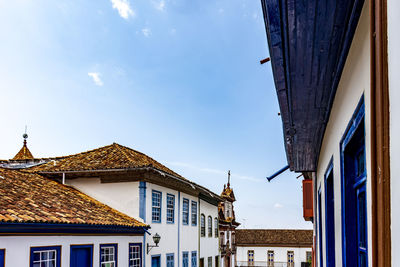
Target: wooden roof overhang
146,174
309,41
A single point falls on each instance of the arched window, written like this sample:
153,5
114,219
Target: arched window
216,227
203,225
209,226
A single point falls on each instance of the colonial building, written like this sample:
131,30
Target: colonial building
227,226
274,248
335,65
46,223
175,208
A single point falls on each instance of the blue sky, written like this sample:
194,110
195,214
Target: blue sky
178,80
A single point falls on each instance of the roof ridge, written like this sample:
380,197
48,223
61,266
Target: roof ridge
124,152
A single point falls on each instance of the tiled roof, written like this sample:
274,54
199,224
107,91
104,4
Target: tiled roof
29,197
271,237
113,156
23,153
228,193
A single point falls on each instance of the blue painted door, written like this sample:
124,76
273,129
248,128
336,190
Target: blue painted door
2,257
155,261
321,258
329,218
354,199
81,256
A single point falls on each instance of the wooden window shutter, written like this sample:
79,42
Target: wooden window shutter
308,199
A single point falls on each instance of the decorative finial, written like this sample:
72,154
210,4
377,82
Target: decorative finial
25,135
229,178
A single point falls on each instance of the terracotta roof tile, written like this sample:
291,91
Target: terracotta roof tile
29,197
23,153
270,237
113,156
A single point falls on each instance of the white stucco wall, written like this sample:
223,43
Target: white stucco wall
120,196
280,254
209,246
18,247
354,82
393,9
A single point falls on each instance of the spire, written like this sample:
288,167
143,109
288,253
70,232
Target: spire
229,178
24,153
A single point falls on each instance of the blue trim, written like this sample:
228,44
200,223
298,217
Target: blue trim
72,255
196,213
179,225
115,245
329,215
185,200
321,256
67,228
352,127
56,248
173,209
143,251
2,257
142,200
152,194
194,258
140,251
155,256
173,259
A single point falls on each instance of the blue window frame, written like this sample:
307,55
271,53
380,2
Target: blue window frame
329,217
108,255
194,213
185,259
170,208
170,260
194,258
2,257
321,258
156,206
156,260
135,255
354,200
45,256
185,211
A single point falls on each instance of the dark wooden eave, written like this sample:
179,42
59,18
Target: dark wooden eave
309,41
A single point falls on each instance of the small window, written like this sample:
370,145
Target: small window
170,260
209,259
290,258
250,256
194,213
194,258
108,255
203,225
185,259
156,206
170,208
216,261
270,258
45,256
309,256
185,211
216,227
209,226
2,257
135,255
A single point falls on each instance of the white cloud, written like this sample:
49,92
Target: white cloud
278,206
146,32
96,78
160,5
123,7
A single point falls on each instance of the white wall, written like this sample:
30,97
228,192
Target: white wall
120,196
393,9
209,246
354,82
188,234
280,254
18,247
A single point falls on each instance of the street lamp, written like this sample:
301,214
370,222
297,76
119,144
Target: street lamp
156,239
